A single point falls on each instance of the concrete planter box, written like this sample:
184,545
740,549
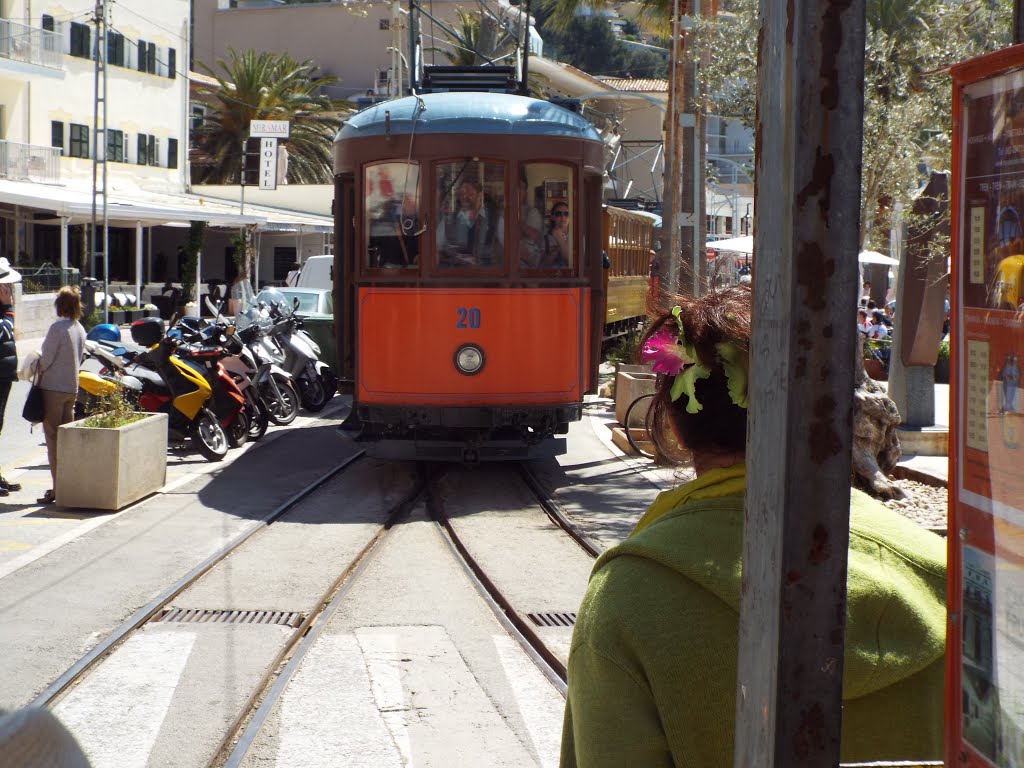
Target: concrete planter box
111,468
629,385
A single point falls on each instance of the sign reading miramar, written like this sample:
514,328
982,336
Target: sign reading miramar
269,129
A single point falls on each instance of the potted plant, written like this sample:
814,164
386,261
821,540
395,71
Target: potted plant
117,315
111,458
942,363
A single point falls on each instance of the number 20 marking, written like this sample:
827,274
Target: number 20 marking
468,317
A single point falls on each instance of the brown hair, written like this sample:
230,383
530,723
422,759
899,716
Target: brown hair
720,426
68,303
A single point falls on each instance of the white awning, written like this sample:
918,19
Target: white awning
128,207
733,244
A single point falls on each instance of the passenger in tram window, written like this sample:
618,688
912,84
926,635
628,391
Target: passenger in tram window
469,237
531,228
653,659
557,251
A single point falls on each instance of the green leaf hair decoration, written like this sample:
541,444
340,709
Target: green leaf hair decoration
734,365
685,383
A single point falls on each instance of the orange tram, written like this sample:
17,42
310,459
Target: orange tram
471,273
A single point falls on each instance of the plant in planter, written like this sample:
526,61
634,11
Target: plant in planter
112,458
117,314
942,363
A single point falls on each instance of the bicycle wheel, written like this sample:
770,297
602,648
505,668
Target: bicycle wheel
633,442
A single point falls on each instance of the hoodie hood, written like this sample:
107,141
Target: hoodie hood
896,582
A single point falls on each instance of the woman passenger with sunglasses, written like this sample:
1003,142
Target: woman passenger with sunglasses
556,252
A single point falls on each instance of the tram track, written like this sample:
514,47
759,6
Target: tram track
78,671
242,734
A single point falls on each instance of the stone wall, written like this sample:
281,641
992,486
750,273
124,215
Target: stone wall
33,313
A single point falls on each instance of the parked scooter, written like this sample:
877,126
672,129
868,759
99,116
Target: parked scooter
273,384
165,384
299,354
228,351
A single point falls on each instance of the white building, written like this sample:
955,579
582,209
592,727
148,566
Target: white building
51,104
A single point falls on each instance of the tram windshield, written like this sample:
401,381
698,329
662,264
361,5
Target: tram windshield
470,206
546,226
392,209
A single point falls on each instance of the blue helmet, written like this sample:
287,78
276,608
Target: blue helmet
104,332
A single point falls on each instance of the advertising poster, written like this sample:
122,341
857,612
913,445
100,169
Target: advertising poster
985,710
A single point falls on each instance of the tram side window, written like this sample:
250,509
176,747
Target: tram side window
547,201
392,209
470,200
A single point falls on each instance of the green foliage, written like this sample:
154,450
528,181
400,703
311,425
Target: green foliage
907,108
190,259
626,348
944,350
28,285
91,320
588,43
266,86
112,411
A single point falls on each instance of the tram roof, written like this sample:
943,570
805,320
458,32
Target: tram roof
497,113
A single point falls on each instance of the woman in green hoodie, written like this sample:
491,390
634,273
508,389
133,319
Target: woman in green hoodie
652,666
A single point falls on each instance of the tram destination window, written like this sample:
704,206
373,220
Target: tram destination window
545,221
470,205
393,224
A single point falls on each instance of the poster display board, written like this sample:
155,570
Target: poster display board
985,681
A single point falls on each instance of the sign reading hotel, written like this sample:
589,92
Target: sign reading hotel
985,639
268,132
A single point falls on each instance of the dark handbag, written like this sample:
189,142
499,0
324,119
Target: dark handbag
33,410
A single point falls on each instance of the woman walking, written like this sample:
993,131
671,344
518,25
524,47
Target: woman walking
8,351
59,360
652,666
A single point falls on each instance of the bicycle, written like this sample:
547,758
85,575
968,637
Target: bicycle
647,438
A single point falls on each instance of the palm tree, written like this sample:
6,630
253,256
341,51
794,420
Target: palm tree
265,86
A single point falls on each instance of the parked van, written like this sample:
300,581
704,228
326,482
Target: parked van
316,272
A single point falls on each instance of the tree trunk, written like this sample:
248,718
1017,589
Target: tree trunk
876,447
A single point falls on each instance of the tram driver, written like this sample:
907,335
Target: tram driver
470,236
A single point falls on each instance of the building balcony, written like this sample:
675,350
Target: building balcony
28,162
30,45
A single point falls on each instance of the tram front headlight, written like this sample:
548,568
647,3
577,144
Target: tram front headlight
469,359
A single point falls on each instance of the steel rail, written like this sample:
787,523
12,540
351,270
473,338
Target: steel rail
302,639
49,696
507,616
554,512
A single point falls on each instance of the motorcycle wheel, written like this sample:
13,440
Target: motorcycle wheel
238,430
208,436
283,412
258,419
330,381
314,395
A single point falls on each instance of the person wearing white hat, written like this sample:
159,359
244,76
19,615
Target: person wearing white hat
8,351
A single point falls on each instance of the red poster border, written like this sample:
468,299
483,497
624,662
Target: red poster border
964,74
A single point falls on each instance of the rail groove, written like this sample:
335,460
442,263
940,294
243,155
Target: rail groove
77,671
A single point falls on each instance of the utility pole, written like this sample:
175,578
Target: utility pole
683,195
99,176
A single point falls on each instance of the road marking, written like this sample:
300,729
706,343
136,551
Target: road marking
117,712
13,546
343,727
49,546
543,706
404,696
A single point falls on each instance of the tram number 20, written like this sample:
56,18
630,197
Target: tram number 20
468,317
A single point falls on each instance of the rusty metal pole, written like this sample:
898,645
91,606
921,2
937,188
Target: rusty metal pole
809,131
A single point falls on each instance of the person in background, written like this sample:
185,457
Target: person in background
557,251
293,275
59,361
531,228
652,664
862,322
8,351
878,329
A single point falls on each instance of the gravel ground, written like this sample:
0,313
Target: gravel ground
924,504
